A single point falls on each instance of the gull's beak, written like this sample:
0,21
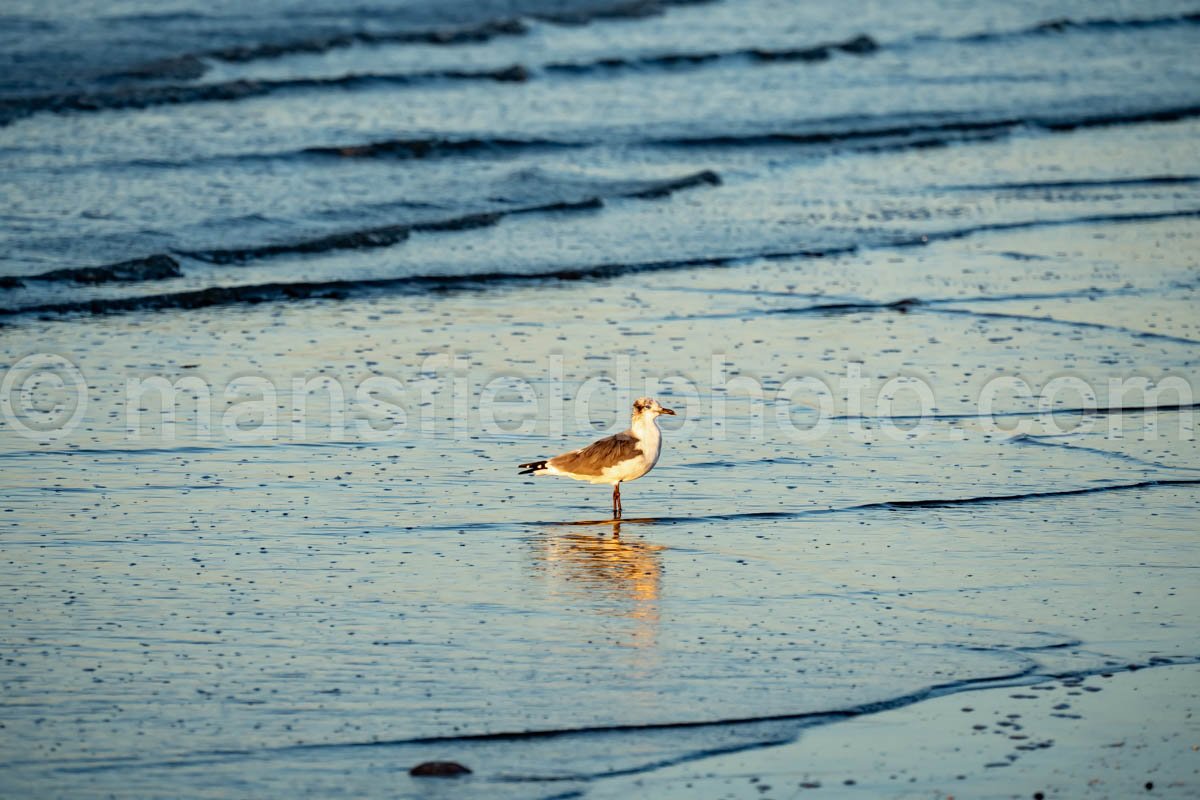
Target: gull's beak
666,411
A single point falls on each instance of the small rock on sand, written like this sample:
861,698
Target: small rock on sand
439,769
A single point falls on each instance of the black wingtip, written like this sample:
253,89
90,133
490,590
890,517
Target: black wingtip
531,467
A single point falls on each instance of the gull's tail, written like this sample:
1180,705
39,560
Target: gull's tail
531,468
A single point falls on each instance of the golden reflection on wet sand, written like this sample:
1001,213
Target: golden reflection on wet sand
615,576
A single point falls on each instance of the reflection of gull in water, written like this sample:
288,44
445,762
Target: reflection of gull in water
619,577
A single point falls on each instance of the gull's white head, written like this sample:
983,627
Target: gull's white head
649,408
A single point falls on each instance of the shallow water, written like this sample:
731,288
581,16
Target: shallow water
278,598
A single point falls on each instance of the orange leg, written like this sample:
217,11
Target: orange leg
616,500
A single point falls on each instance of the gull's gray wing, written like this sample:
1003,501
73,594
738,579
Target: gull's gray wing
593,459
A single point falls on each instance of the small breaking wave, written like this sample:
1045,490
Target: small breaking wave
929,129
385,236
1067,24
152,268
881,132
858,45
343,289
561,193
192,65
189,66
438,147
150,96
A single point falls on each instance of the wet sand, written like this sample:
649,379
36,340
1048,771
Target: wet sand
317,611
928,311
1110,735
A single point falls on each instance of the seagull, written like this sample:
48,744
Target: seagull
615,459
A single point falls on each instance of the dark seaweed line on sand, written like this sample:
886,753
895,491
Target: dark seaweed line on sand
343,289
1005,498
1099,412
944,306
1090,293
804,513
592,730
955,502
652,766
1038,441
891,505
912,304
434,147
1103,326
1091,219
1028,674
1102,183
